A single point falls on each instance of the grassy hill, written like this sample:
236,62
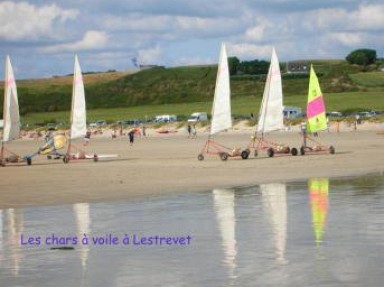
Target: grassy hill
183,90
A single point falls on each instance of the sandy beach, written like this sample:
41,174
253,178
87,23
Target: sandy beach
160,164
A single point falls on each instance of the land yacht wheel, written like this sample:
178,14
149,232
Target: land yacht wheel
223,156
245,154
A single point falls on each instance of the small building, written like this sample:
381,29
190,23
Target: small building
290,112
298,67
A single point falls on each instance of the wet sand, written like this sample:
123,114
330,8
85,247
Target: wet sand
160,164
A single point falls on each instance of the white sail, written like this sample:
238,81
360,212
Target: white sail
275,205
271,110
11,118
78,112
224,201
83,222
221,109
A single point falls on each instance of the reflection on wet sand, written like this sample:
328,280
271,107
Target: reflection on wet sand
318,195
224,202
83,224
275,204
15,227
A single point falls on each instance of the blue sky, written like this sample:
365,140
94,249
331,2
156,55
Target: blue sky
42,36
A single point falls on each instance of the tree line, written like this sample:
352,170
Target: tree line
361,57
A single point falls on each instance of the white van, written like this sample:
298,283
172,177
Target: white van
165,118
291,112
199,116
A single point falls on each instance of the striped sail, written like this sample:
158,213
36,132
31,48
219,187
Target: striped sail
316,118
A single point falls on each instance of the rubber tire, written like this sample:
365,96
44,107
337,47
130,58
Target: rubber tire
332,149
29,161
49,157
223,156
287,149
66,159
302,150
270,152
294,151
244,154
95,158
200,157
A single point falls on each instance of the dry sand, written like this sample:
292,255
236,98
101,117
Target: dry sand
160,164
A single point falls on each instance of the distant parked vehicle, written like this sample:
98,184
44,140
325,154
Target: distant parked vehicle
334,114
98,124
291,112
131,122
199,116
365,114
165,118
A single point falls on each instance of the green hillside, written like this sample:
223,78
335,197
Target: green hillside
182,90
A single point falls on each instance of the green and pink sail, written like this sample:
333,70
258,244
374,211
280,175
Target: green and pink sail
316,118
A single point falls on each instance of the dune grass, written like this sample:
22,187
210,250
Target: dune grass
241,106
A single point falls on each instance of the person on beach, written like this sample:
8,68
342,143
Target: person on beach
87,137
114,134
194,132
189,129
131,135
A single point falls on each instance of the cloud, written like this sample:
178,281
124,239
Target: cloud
23,21
193,61
150,56
245,50
347,39
92,40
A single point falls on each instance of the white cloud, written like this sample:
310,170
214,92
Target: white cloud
190,61
245,50
179,26
92,40
151,56
255,33
21,21
369,17
347,39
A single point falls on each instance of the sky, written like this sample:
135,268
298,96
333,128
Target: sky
42,36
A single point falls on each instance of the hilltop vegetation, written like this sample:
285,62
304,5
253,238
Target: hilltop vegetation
195,84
